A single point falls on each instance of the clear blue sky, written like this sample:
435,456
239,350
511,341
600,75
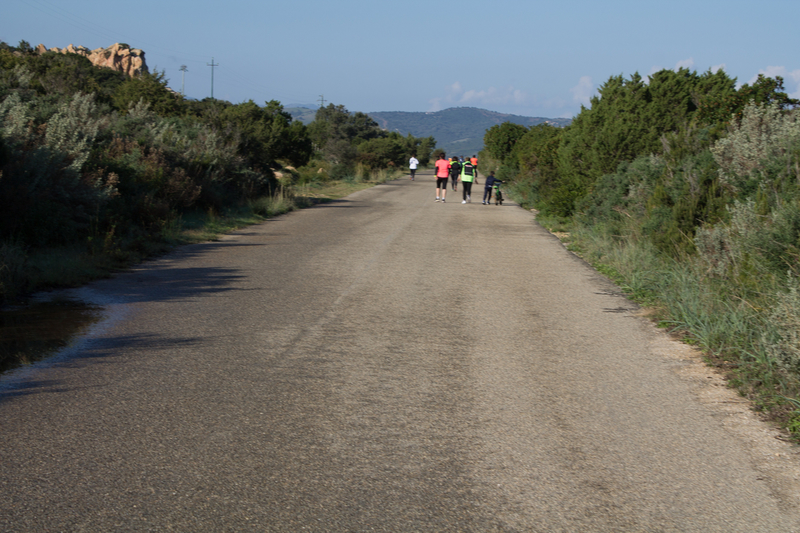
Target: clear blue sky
534,58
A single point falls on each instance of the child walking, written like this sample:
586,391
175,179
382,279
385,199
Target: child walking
487,189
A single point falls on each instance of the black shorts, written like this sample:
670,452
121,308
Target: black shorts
441,183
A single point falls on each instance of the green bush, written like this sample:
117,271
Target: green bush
752,244
760,150
343,172
383,153
782,341
151,89
43,194
316,170
500,139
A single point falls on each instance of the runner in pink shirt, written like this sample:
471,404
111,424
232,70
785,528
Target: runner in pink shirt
442,173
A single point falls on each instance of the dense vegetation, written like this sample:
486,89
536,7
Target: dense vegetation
687,191
349,141
96,163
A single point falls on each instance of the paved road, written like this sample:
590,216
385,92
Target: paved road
379,363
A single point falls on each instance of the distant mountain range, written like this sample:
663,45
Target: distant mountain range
457,130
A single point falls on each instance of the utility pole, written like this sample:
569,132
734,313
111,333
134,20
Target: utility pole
212,65
183,70
321,101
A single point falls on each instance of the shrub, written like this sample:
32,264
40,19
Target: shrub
269,206
150,88
782,342
43,196
342,171
73,129
752,244
382,153
726,249
315,170
764,133
16,120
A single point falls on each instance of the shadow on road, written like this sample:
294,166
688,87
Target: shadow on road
104,351
162,284
340,206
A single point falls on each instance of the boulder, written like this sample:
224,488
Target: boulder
119,57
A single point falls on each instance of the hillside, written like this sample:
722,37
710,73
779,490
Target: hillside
458,130
303,113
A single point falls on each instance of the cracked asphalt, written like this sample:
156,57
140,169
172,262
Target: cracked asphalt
378,363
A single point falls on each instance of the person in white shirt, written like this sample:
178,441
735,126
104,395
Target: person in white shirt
412,165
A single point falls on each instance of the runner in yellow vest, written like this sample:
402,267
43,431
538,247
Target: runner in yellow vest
468,172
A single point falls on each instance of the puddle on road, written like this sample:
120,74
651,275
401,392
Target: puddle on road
33,332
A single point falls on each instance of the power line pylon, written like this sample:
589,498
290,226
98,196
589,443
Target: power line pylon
212,65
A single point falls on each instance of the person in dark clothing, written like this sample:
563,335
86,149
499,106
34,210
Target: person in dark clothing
487,189
455,172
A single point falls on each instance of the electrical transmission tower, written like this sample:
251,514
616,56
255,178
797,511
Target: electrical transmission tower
212,65
183,70
321,101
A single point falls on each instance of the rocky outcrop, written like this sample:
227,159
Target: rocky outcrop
119,57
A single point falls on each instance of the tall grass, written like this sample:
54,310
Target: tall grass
281,202
364,174
384,175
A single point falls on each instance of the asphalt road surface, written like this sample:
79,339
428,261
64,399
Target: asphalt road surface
381,363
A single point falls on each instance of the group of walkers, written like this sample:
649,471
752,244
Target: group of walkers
457,169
